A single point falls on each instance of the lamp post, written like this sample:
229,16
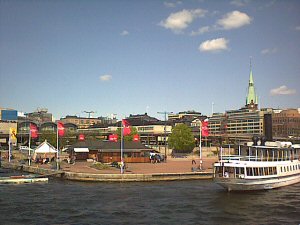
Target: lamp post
165,131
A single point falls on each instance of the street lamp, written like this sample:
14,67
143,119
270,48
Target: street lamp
165,131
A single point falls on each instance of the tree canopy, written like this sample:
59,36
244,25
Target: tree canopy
127,137
182,139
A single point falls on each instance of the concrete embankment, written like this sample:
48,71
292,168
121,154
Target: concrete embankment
110,177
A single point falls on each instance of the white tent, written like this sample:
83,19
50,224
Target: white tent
45,147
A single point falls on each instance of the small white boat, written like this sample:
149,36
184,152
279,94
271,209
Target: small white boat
22,179
257,167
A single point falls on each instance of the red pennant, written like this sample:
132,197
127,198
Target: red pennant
33,130
81,137
204,128
126,128
61,129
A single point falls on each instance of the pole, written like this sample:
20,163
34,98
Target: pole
165,132
122,147
9,147
200,147
29,144
57,154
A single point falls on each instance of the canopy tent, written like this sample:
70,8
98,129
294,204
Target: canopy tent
46,149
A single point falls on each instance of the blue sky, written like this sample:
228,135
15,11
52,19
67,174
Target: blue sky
129,57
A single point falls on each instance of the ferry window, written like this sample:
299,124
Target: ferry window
261,171
281,169
275,170
268,170
242,170
287,169
255,172
249,172
284,169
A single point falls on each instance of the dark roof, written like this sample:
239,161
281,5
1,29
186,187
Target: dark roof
109,145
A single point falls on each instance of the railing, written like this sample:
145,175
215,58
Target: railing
253,158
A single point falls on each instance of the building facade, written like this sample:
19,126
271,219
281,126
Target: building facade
286,123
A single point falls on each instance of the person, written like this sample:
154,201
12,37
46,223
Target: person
193,161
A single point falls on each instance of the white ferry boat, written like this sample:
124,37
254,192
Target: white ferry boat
256,167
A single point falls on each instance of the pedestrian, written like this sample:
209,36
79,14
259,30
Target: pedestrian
193,161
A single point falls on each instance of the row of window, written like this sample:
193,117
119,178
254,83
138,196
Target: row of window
289,168
261,171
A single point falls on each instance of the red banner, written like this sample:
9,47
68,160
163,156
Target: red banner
126,128
204,128
61,129
136,137
113,137
81,137
33,131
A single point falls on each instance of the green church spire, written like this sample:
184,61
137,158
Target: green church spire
251,96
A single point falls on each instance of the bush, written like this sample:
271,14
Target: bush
100,166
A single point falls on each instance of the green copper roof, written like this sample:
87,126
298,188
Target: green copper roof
251,97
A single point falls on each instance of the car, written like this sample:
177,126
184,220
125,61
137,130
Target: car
25,148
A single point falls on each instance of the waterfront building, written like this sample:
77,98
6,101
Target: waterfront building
8,120
286,124
41,115
242,124
87,122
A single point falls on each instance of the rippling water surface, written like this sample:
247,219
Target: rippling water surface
184,202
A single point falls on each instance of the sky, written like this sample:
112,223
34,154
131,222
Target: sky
136,56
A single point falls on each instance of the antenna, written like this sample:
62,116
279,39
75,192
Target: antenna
89,113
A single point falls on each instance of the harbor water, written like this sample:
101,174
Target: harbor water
182,202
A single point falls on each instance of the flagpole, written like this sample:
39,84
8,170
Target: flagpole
57,147
29,157
122,147
9,146
200,147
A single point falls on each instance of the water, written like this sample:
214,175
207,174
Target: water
185,202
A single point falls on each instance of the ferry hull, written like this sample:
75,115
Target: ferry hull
256,184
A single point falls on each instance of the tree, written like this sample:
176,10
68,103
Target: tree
182,139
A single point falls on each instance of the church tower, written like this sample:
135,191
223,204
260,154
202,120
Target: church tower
251,99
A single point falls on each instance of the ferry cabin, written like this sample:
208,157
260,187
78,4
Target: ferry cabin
261,167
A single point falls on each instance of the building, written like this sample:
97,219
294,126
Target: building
286,123
86,122
41,115
8,121
242,124
185,116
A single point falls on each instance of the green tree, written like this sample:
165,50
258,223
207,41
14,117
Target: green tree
182,139
127,137
49,136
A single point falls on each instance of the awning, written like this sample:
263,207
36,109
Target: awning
81,150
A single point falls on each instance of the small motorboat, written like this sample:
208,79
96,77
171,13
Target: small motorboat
22,179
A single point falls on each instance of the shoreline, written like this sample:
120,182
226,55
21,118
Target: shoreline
173,170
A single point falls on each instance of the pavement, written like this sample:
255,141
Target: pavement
173,165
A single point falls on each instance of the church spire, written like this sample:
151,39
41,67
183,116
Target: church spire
251,100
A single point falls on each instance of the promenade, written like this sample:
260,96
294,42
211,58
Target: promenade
173,169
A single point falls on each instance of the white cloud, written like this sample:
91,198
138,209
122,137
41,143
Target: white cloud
297,28
105,77
172,4
124,33
233,20
282,90
267,51
201,30
214,45
180,20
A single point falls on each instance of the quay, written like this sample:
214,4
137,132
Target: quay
173,169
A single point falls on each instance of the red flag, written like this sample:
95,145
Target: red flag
126,127
204,128
61,129
113,137
136,137
33,130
